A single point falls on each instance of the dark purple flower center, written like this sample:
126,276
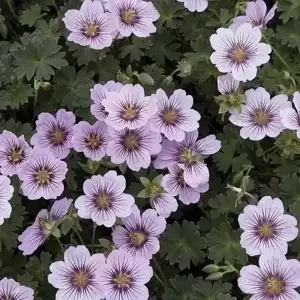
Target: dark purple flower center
171,116
261,117
58,136
131,141
103,200
129,16
43,176
93,141
122,280
138,238
274,286
130,113
239,54
16,155
81,278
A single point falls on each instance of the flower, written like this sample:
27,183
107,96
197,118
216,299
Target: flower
77,277
10,289
195,5
44,225
174,115
6,193
133,17
189,155
240,52
104,199
42,175
290,118
260,116
175,185
98,93
256,14
92,140
134,147
55,133
274,279
129,108
140,235
14,152
90,26
266,227
227,85
125,276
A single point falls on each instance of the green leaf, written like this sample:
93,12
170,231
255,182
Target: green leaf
145,181
290,187
135,49
51,28
290,10
27,280
183,244
169,13
38,268
108,68
30,15
17,128
145,79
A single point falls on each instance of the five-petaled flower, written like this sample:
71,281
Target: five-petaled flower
12,290
195,5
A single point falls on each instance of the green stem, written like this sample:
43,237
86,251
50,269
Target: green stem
55,6
11,9
11,29
79,236
60,245
160,271
215,13
94,237
160,281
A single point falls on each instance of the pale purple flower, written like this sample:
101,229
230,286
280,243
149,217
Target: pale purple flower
290,118
77,277
141,232
6,193
98,93
240,52
124,277
266,227
55,133
104,199
14,152
174,115
44,224
90,26
260,115
256,14
92,140
133,17
163,203
195,5
134,147
189,155
12,290
128,108
275,279
42,175
227,85
175,185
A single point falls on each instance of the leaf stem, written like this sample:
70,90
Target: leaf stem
11,9
55,6
160,281
165,281
79,236
60,245
94,236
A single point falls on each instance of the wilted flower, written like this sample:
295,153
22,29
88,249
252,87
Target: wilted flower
90,26
92,140
227,85
275,279
189,155
175,185
125,276
10,289
240,52
133,17
42,175
14,152
44,225
195,5
266,227
260,116
55,133
141,232
77,277
134,147
6,193
174,115
104,199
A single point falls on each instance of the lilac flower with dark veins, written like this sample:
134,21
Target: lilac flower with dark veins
12,290
256,14
175,185
276,278
42,176
6,193
77,277
55,133
174,115
124,277
133,17
104,199
92,140
90,26
266,227
189,155
14,152
44,225
240,52
290,118
227,85
140,235
134,147
195,5
260,115
128,108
